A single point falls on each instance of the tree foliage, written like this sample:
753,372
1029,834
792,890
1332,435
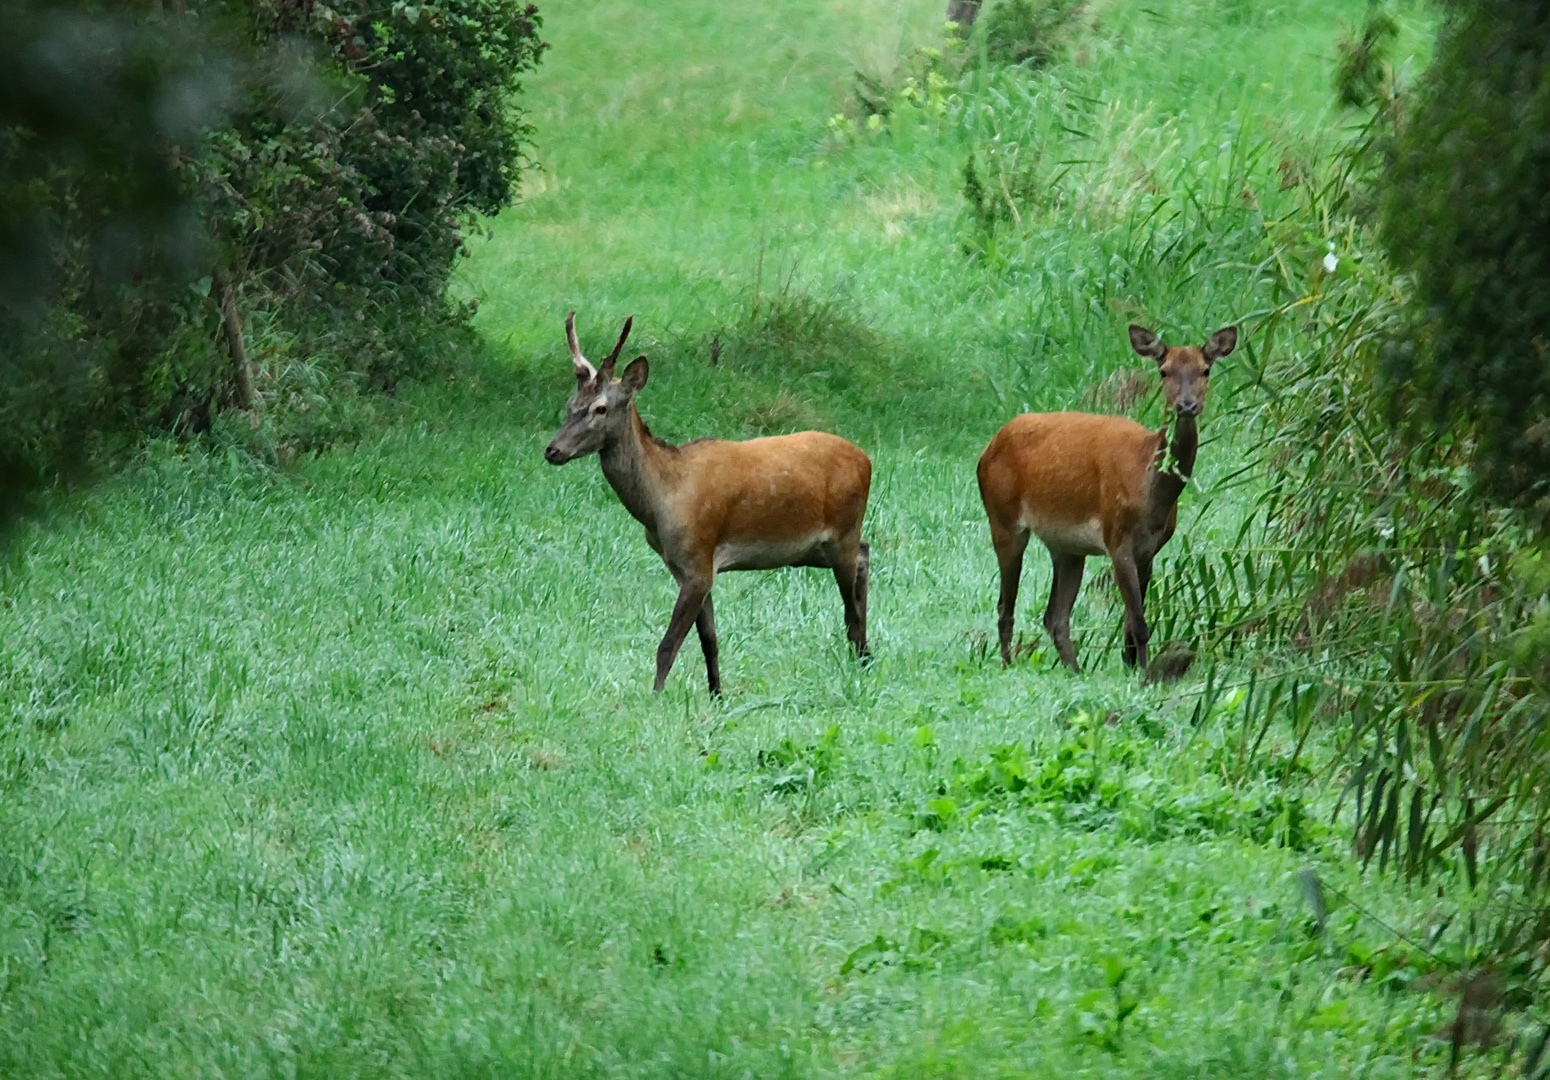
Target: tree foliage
1465,213
323,158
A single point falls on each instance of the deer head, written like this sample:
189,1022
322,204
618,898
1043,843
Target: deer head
598,412
1186,370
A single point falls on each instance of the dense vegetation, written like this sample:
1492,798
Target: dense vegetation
1395,560
1464,213
303,170
348,766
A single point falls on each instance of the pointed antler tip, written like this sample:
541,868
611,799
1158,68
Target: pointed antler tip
619,345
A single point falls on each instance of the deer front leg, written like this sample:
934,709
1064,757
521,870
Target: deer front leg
706,625
1144,578
692,592
1128,576
1062,597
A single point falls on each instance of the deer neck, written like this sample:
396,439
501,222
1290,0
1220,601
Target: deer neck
1172,470
1184,445
632,466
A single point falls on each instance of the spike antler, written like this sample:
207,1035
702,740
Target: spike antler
585,372
607,366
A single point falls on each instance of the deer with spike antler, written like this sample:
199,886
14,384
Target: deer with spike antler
712,505
1096,485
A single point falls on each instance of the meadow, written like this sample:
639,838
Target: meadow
351,767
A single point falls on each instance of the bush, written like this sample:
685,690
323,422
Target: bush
322,160
96,236
1464,213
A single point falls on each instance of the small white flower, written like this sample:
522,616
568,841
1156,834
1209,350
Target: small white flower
1330,262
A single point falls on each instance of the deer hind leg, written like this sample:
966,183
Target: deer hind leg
851,574
1143,579
1128,576
1010,545
706,625
1062,597
693,590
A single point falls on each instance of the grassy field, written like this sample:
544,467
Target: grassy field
353,768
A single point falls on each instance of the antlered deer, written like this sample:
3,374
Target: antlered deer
712,505
1096,485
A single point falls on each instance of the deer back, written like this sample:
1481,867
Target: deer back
775,489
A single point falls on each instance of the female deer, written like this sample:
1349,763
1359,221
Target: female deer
713,505
1096,485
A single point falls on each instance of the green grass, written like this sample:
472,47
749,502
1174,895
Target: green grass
354,770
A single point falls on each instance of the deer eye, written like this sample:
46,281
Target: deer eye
599,409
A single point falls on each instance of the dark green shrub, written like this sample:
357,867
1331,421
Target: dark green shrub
1464,212
403,124
1363,76
98,238
1031,32
324,159
998,183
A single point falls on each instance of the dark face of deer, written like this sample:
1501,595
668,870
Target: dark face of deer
599,411
1186,370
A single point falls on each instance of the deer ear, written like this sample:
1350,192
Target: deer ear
1146,343
634,377
1221,344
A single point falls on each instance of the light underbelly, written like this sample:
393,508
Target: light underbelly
768,554
1070,537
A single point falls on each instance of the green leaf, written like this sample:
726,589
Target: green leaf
1114,968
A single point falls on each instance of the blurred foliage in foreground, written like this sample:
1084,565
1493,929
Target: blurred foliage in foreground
307,167
1464,213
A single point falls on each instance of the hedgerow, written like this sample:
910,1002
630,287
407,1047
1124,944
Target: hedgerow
199,200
